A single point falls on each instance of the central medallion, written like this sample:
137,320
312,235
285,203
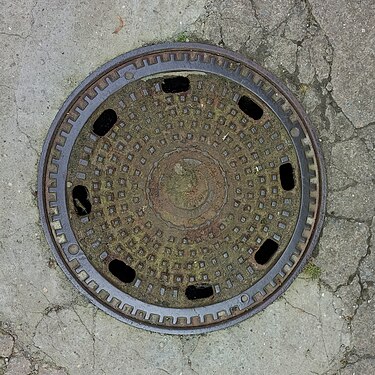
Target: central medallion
187,188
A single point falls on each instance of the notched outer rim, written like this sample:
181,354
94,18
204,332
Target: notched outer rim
292,101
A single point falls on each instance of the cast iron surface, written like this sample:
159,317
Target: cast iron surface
184,192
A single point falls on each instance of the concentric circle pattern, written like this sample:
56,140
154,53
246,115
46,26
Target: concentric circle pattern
181,188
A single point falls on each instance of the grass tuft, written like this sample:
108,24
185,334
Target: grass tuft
182,37
312,270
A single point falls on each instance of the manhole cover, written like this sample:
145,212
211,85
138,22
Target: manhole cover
181,188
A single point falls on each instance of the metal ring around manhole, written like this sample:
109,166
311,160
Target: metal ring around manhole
181,188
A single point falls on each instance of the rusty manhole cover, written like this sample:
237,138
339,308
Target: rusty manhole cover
181,188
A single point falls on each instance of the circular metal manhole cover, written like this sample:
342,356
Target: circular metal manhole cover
181,188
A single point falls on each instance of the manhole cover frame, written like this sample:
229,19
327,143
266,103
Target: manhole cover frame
170,48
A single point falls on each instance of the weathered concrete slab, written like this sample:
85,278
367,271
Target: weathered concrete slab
324,52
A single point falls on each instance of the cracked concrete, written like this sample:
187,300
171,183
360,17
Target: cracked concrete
324,52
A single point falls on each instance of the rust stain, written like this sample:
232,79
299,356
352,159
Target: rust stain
120,26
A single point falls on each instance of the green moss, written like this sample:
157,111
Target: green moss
312,270
182,37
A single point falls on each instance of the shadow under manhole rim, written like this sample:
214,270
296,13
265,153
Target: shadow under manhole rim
181,188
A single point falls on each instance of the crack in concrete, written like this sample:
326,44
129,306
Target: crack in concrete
298,308
332,215
276,27
350,358
14,35
91,334
221,42
161,369
363,139
359,301
47,311
19,351
352,182
187,355
32,22
29,138
13,336
330,62
368,223
321,327
255,12
363,290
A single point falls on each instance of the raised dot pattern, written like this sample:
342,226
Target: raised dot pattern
123,225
